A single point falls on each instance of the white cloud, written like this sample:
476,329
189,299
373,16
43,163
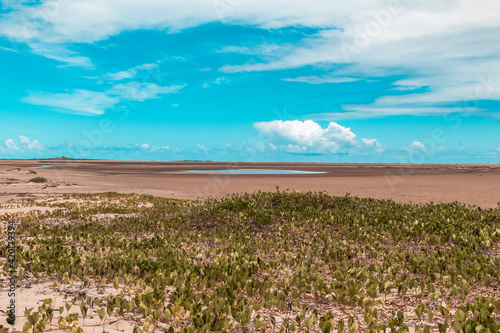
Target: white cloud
308,136
264,50
452,53
11,145
428,150
25,144
318,80
8,49
417,145
87,102
202,148
372,111
160,148
373,144
448,47
78,101
30,144
217,81
62,21
152,148
295,149
62,54
134,71
259,146
140,92
118,76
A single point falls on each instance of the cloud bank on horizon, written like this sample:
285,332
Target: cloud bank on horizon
220,64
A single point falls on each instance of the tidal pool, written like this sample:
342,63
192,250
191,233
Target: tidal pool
55,165
243,172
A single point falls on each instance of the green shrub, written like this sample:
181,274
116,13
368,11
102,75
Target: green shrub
38,180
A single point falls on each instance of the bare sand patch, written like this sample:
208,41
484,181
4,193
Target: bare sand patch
469,184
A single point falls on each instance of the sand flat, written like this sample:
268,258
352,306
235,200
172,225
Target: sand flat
470,184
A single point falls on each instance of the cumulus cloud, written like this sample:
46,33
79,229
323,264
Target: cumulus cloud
308,136
160,148
30,144
11,144
373,144
202,148
429,149
153,148
417,145
24,144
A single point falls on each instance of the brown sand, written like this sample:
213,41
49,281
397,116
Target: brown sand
470,184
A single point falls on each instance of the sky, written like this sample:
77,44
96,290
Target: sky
400,81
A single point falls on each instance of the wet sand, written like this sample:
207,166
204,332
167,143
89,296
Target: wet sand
477,185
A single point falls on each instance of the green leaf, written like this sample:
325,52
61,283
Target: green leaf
372,291
419,292
444,311
33,318
496,304
460,316
430,315
101,312
443,328
309,323
419,310
27,325
167,314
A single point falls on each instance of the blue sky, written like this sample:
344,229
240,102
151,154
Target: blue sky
320,81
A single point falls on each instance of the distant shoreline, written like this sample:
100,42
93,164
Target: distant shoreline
259,162
470,184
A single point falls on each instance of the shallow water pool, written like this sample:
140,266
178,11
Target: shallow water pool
243,172
50,166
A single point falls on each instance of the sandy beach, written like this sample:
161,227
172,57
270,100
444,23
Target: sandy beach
477,185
